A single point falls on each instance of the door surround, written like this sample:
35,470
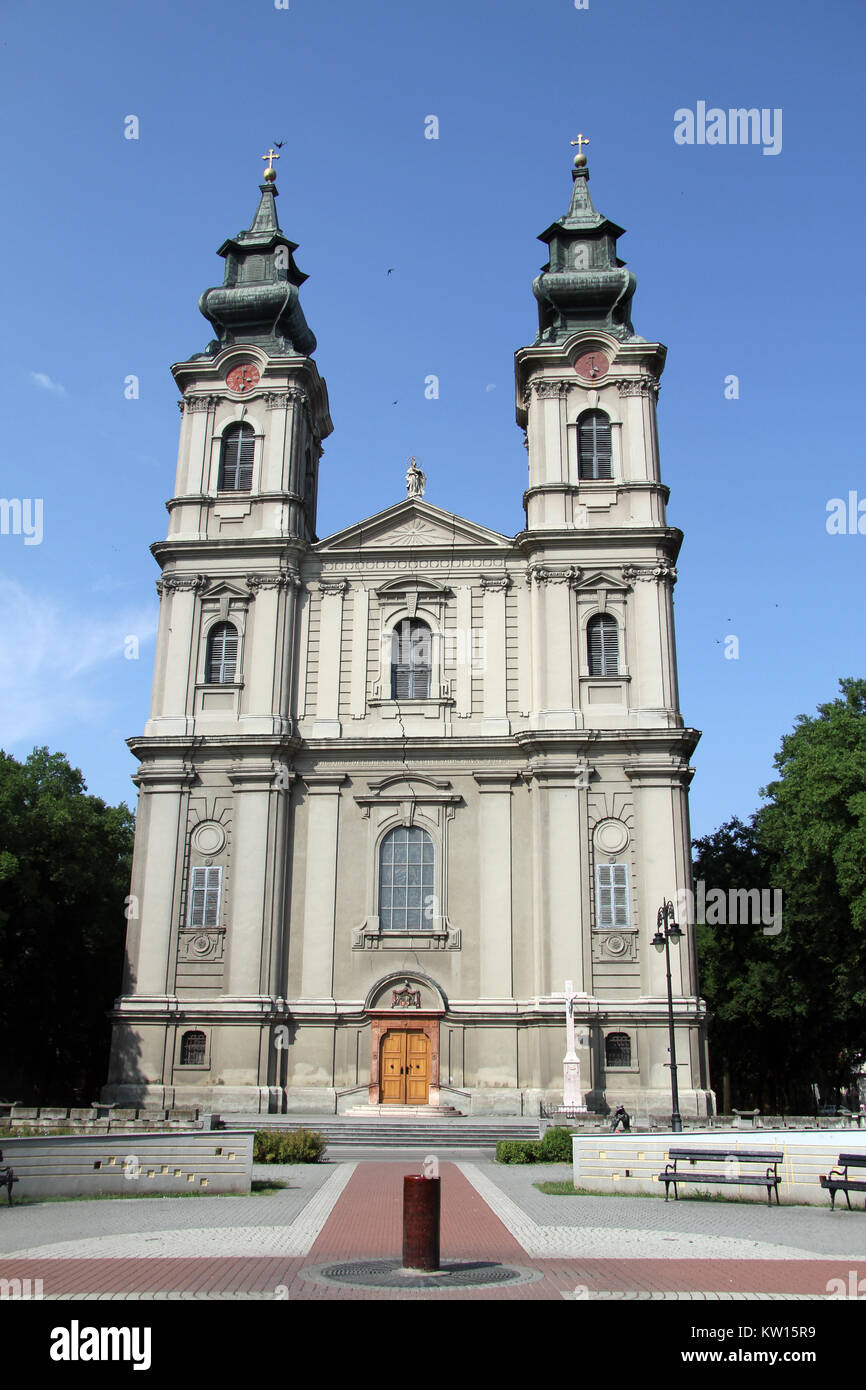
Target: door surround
384,1021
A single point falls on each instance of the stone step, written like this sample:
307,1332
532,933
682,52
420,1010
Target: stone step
457,1132
399,1112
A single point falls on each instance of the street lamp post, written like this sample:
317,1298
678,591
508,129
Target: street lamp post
666,932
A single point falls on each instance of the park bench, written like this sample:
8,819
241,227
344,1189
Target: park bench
7,1177
770,1161
837,1180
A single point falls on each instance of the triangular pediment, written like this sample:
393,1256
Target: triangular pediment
227,588
601,579
416,527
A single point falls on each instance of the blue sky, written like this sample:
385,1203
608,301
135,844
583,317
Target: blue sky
747,264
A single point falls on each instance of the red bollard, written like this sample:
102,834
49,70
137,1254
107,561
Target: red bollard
420,1222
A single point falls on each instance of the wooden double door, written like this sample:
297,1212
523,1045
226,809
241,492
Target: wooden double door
404,1068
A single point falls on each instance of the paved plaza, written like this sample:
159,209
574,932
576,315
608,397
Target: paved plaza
276,1246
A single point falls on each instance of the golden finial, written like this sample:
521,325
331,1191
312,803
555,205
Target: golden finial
270,172
580,157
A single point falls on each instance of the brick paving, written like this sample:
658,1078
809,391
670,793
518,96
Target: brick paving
364,1221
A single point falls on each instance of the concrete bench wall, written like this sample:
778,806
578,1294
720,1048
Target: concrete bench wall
72,1165
630,1163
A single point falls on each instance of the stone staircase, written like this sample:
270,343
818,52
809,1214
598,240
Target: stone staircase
412,1129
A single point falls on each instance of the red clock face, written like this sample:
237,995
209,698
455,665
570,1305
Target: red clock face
591,365
243,378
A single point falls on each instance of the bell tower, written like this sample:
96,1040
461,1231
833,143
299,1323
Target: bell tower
207,894
604,696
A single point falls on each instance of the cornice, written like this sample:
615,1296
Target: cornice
627,539
215,499
660,774
273,548
171,777
589,1010
229,747
587,488
459,755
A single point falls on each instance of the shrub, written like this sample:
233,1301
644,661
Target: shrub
556,1145
288,1146
518,1151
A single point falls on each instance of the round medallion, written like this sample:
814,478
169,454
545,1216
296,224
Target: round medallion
243,377
591,365
200,945
611,836
616,945
208,838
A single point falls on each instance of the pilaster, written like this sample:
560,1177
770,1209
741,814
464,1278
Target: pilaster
495,890
251,906
327,723
320,890
161,813
495,718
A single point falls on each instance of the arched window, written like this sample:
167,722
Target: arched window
617,1050
236,459
222,654
193,1046
406,880
411,660
593,445
602,639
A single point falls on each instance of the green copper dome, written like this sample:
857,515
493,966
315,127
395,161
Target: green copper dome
584,284
258,299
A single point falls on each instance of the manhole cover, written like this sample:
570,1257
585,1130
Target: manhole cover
389,1274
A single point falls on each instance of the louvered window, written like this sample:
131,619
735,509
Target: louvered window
236,459
603,645
204,897
222,654
411,647
611,909
193,1046
594,446
617,1050
406,880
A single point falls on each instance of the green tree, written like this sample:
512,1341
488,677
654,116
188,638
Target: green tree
65,860
737,970
790,1010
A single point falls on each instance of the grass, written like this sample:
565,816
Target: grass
260,1188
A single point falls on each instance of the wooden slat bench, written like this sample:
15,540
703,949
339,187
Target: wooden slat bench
837,1180
770,1160
7,1177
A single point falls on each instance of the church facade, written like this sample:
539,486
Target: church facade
401,784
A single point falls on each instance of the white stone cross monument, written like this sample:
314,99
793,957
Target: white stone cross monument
572,1095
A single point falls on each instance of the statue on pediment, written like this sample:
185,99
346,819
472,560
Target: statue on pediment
416,481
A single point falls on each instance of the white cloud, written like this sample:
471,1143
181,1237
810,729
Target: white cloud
54,659
44,381
491,386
